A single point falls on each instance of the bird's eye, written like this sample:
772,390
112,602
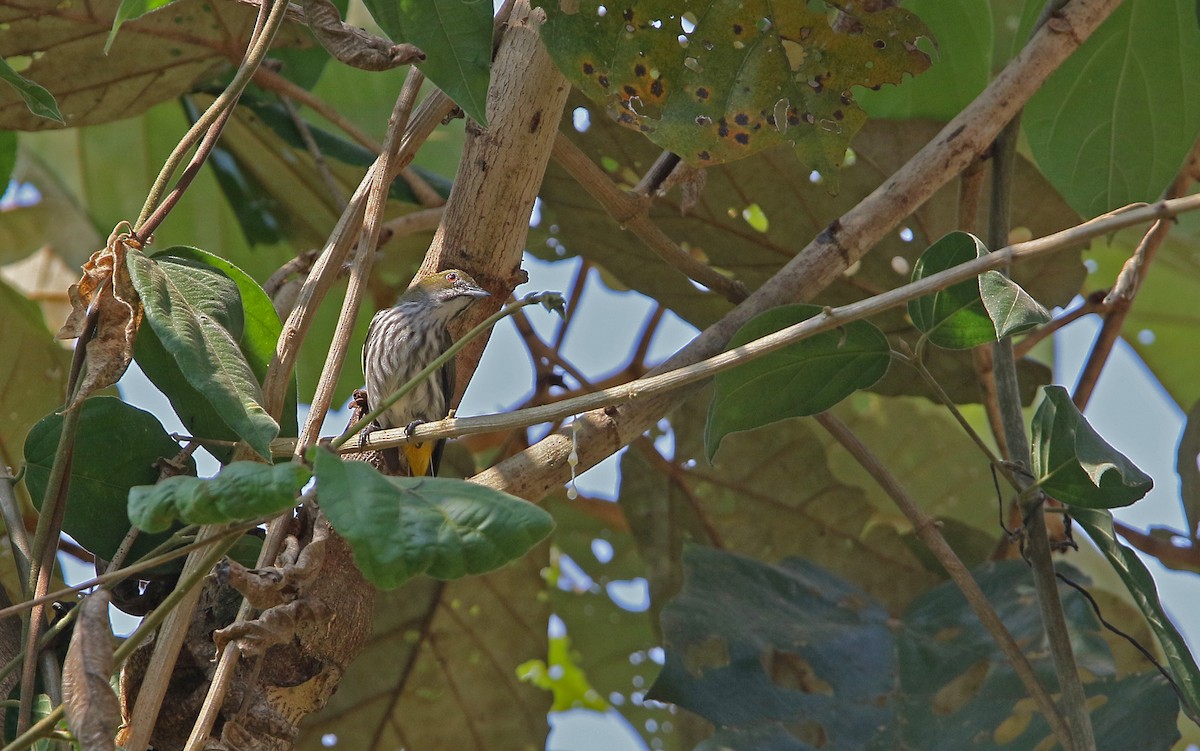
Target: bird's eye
452,277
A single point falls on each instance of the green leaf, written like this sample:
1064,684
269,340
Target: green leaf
719,80
240,492
1189,471
102,477
564,678
1113,124
39,101
8,157
790,656
1098,525
962,64
953,318
456,37
128,11
33,376
1074,465
195,312
803,378
399,527
261,326
1010,308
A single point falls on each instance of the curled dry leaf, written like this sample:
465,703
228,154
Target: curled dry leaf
352,45
107,292
89,702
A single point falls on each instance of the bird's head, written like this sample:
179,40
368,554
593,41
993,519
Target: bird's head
452,291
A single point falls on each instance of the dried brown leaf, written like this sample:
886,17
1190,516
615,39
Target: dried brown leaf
91,707
352,45
106,292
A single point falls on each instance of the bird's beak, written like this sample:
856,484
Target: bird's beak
478,292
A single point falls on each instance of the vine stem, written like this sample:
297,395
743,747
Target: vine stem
1008,396
926,529
212,120
829,319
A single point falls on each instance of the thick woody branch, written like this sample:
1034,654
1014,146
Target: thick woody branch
486,219
542,467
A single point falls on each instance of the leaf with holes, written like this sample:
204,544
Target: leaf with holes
717,80
1074,465
403,526
801,379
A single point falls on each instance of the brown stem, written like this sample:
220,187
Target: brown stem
1120,299
630,212
926,529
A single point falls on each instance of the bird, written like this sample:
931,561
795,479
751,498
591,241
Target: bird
401,341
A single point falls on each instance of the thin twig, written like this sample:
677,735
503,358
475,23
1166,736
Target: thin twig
630,213
14,525
310,143
266,25
573,298
926,529
1129,281
272,81
657,174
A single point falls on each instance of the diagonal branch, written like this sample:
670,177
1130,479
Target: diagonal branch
542,467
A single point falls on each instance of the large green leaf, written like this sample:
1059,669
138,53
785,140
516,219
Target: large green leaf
196,314
240,492
770,494
719,80
403,526
102,477
961,65
1098,525
792,657
1074,465
456,37
803,378
1113,124
260,323
64,45
33,376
